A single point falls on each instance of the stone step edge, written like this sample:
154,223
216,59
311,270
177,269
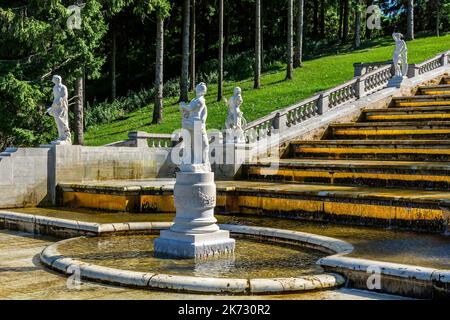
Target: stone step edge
392,124
409,280
407,109
444,86
372,142
377,166
335,194
423,97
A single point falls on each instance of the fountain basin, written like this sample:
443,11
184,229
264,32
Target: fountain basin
56,257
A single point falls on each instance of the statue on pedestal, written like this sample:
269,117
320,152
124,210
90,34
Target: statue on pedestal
194,121
235,119
60,111
400,58
195,233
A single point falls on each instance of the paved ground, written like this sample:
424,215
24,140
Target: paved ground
23,277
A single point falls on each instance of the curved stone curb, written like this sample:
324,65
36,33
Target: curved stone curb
401,279
46,225
327,244
55,260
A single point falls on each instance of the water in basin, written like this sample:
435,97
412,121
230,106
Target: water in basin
252,259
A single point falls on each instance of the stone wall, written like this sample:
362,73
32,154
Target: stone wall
29,176
23,177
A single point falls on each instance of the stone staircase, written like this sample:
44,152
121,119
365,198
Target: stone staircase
400,149
405,145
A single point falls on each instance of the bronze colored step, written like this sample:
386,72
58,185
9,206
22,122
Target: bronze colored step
421,101
404,150
445,80
411,209
434,90
385,174
407,114
430,130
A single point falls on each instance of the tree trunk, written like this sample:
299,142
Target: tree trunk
410,20
257,83
159,71
368,34
315,18
322,19
341,17
220,80
345,22
184,81
262,38
357,43
438,16
290,42
226,37
79,111
113,63
192,47
299,47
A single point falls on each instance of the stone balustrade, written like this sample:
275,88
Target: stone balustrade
362,68
144,139
361,86
429,65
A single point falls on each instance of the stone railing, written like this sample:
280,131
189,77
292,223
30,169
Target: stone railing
362,68
144,139
374,81
429,65
350,91
319,104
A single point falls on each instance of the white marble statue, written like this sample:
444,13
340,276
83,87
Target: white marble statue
194,121
195,233
400,55
235,119
60,111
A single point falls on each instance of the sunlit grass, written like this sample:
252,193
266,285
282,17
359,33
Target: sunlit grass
316,75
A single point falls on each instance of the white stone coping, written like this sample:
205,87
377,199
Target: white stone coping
395,270
37,220
55,260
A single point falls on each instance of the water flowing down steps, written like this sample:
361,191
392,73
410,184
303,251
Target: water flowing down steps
404,146
402,150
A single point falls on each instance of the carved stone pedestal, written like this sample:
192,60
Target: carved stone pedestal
396,81
195,233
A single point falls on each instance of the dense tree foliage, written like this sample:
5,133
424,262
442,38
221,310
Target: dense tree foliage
122,46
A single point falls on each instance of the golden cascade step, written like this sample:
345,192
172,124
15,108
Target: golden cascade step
388,174
434,90
411,209
429,130
445,80
441,113
407,150
421,101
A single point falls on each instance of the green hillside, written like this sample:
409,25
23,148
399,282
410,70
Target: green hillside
316,75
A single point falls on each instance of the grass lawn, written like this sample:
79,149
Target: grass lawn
316,75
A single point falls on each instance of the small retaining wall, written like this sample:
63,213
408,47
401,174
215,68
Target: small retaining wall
24,177
29,176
